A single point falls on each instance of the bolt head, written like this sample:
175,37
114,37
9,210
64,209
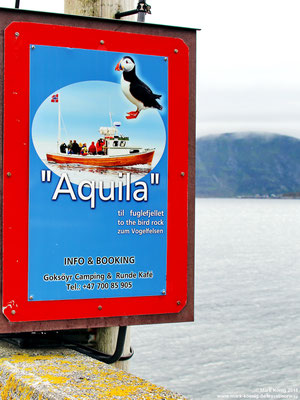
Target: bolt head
182,173
178,302
101,41
175,51
8,174
17,34
33,47
30,297
13,312
166,58
99,308
163,292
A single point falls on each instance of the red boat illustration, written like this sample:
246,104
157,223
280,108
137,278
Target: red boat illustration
116,150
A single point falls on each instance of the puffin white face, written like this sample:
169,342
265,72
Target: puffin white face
127,64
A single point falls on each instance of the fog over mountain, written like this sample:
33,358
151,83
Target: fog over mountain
234,164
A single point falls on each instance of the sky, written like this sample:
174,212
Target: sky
248,60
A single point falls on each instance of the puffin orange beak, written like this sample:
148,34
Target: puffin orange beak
119,67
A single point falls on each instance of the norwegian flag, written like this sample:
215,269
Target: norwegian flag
54,98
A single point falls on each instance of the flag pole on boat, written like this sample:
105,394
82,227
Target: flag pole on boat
55,99
59,126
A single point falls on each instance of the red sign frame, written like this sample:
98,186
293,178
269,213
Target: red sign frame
18,37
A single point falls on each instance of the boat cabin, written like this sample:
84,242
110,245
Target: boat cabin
116,143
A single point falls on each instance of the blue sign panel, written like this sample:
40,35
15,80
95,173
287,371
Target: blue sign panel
98,174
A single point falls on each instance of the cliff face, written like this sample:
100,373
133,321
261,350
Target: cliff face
231,164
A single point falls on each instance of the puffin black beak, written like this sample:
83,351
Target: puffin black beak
119,66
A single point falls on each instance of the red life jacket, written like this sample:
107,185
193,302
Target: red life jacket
99,145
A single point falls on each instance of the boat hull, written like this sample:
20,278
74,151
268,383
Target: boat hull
145,157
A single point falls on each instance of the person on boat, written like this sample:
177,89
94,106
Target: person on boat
83,150
75,148
63,148
92,149
99,146
70,147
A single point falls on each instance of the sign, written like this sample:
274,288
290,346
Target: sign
95,173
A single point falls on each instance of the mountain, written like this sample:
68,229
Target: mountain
230,165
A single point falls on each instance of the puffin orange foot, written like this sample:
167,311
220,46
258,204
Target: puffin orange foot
132,114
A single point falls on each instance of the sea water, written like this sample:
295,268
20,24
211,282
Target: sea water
245,341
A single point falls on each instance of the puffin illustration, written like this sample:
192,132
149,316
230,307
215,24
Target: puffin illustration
135,90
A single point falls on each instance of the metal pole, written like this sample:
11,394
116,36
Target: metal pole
141,14
141,17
